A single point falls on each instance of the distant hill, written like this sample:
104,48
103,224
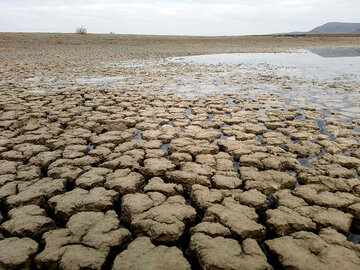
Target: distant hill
336,28
331,28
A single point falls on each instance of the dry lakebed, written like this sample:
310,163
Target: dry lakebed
165,152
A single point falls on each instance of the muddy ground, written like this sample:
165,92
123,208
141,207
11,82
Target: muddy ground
114,157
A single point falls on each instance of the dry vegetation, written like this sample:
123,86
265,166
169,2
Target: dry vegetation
81,30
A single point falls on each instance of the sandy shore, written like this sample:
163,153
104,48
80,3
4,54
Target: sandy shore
112,156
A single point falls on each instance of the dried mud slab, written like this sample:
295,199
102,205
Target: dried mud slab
17,253
30,221
212,229
328,250
229,253
84,243
157,167
142,254
240,219
205,166
77,200
267,181
37,192
192,147
163,222
124,181
156,184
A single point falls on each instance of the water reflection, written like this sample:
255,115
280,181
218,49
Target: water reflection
337,52
320,64
299,78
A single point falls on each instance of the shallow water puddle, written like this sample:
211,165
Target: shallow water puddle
316,64
329,78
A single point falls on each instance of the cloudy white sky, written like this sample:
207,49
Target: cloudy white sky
197,17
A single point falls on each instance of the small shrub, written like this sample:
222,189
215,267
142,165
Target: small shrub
112,33
81,30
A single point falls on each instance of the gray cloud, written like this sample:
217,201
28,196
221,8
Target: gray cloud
187,17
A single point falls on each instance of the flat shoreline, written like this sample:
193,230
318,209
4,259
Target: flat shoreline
146,46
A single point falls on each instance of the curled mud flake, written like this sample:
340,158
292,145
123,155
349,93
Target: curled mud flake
355,210
253,198
204,197
142,254
255,129
165,222
37,192
207,159
187,179
222,253
95,177
240,219
12,155
77,200
341,179
114,137
29,172
198,133
177,158
304,148
17,253
328,250
165,134
240,148
124,181
316,195
134,204
224,164
44,159
8,167
264,161
192,147
122,161
328,217
157,167
267,181
101,151
274,125
156,184
199,169
337,171
191,173
30,221
8,189
114,125
342,160
287,199
225,182
6,178
212,229
284,221
66,172
85,161
356,153
84,243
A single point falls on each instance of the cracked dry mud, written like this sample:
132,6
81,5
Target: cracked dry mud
142,170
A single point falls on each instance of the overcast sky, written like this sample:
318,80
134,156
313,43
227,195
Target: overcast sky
198,17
